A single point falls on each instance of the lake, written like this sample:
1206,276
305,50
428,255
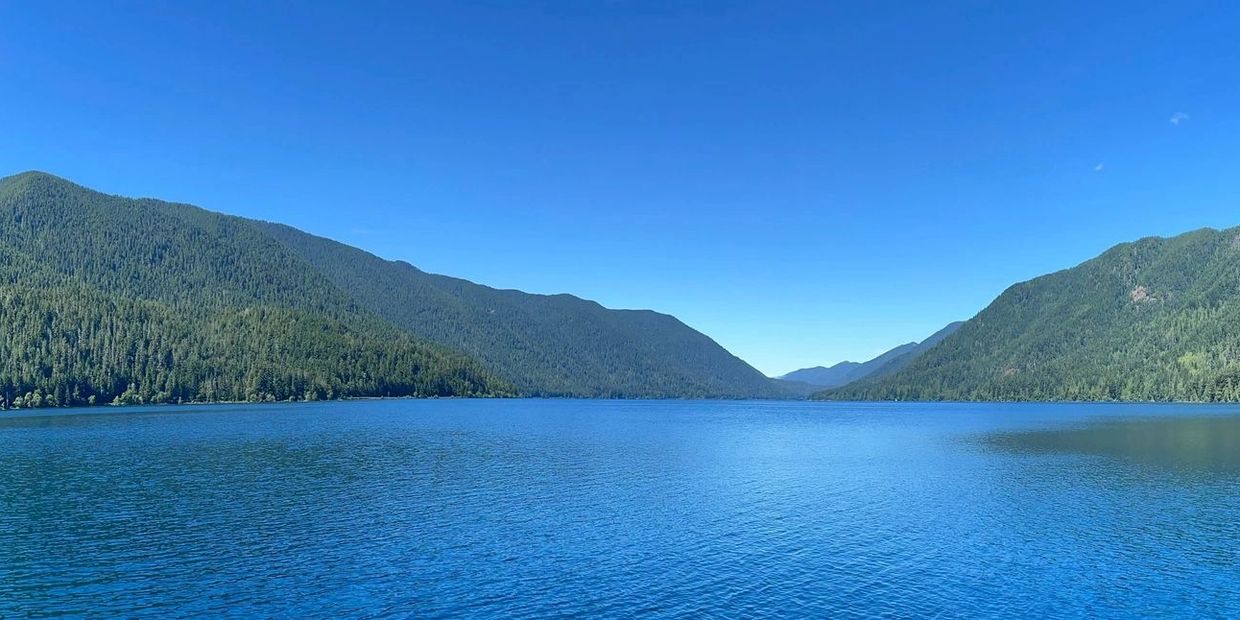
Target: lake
537,508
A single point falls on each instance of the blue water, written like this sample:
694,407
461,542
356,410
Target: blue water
528,508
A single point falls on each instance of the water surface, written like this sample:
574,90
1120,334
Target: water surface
530,508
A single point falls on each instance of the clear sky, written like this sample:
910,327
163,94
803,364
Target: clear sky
805,182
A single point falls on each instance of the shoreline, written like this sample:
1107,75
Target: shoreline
206,404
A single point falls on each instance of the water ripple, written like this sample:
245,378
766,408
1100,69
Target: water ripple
531,509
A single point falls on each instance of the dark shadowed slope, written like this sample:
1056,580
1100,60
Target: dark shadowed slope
545,344
1156,319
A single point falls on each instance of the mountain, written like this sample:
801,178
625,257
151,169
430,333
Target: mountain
888,363
898,362
105,298
547,345
109,299
824,376
1155,319
846,372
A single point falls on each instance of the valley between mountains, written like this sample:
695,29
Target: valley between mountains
107,299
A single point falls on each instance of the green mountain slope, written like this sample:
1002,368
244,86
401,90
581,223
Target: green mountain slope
107,299
1156,319
139,300
544,344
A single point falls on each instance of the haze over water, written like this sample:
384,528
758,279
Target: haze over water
531,508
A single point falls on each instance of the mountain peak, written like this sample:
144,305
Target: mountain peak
31,180
33,175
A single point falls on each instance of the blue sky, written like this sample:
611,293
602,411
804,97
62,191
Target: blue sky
806,182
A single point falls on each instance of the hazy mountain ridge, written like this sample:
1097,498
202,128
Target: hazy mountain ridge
887,363
823,376
899,362
846,372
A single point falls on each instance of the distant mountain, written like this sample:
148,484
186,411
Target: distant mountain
105,299
824,376
846,372
1156,319
898,362
794,389
549,345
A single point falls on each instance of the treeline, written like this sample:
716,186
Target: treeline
73,347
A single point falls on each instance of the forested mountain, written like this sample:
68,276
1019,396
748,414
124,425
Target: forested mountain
108,299
111,299
1156,319
545,344
844,373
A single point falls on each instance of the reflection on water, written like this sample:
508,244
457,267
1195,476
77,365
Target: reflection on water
1210,444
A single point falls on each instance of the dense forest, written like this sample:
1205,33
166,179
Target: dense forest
1157,319
111,300
106,299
